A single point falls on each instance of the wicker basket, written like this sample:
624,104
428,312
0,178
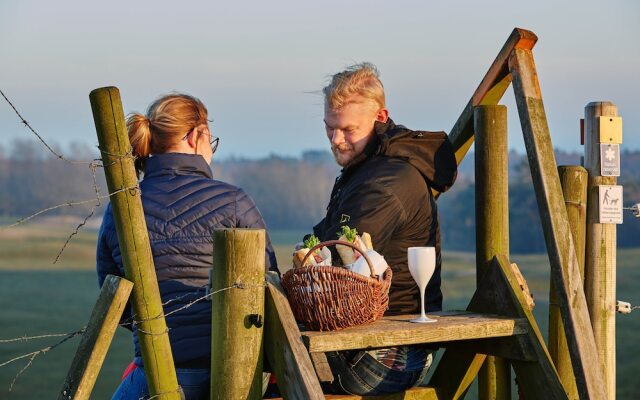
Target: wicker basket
327,298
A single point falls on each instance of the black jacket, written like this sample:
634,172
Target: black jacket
386,191
182,205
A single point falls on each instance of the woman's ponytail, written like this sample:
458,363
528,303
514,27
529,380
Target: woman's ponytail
139,129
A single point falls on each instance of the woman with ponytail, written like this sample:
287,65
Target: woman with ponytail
182,204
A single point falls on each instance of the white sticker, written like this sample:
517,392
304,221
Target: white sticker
610,210
609,159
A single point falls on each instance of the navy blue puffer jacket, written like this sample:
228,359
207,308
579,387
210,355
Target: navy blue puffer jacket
182,205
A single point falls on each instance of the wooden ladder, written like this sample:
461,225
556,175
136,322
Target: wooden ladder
497,322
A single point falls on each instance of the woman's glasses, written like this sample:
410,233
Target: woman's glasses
213,140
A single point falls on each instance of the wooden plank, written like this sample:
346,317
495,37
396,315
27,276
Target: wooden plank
420,393
492,222
322,367
96,339
500,292
133,239
490,91
284,349
236,341
564,264
397,331
601,239
574,190
503,347
455,372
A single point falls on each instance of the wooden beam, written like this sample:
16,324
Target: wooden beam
455,372
492,222
133,239
284,349
398,331
500,292
562,256
490,91
601,239
574,190
96,339
419,393
236,334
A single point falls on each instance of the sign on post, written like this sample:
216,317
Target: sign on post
609,159
610,204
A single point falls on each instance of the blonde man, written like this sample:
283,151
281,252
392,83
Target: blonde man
384,189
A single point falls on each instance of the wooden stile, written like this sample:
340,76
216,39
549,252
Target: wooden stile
96,339
134,244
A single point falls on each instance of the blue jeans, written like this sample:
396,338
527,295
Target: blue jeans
194,384
359,373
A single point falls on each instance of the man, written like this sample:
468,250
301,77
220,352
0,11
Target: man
385,190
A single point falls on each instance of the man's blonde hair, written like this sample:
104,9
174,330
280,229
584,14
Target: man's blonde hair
359,79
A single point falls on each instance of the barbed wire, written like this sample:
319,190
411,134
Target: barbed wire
68,335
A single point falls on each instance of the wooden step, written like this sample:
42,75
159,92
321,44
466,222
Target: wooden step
397,330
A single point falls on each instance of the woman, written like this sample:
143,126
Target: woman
182,204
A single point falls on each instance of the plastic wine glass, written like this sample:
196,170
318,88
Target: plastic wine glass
422,264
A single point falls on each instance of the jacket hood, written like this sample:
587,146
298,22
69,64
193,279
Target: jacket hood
431,153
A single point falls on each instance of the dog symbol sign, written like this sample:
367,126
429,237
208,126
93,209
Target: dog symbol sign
610,200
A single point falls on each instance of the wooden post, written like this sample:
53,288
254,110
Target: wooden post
96,339
555,223
492,222
600,264
237,313
134,244
574,188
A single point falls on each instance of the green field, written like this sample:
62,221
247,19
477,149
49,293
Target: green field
38,297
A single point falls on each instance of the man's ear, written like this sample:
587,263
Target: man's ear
383,115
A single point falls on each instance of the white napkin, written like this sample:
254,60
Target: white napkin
361,266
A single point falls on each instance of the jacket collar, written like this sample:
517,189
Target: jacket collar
176,164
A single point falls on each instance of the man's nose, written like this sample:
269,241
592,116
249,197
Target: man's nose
337,136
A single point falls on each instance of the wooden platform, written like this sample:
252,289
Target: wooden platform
397,330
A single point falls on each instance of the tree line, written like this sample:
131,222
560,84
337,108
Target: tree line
293,192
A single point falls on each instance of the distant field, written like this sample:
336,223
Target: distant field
38,297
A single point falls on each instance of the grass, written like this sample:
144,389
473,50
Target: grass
38,297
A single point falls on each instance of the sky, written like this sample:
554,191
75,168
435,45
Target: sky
259,66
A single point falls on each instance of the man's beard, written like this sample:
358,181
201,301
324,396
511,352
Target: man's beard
343,153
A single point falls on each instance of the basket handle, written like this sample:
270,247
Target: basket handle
341,242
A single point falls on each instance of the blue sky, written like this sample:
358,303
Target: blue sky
258,65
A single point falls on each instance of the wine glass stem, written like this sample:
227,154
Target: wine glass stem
422,313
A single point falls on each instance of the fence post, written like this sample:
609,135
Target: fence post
492,222
237,313
600,264
134,244
574,188
96,339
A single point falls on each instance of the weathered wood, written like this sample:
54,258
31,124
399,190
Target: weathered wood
133,239
237,314
455,372
397,331
499,292
322,367
490,91
96,339
600,265
504,347
420,393
562,256
574,188
284,349
492,222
